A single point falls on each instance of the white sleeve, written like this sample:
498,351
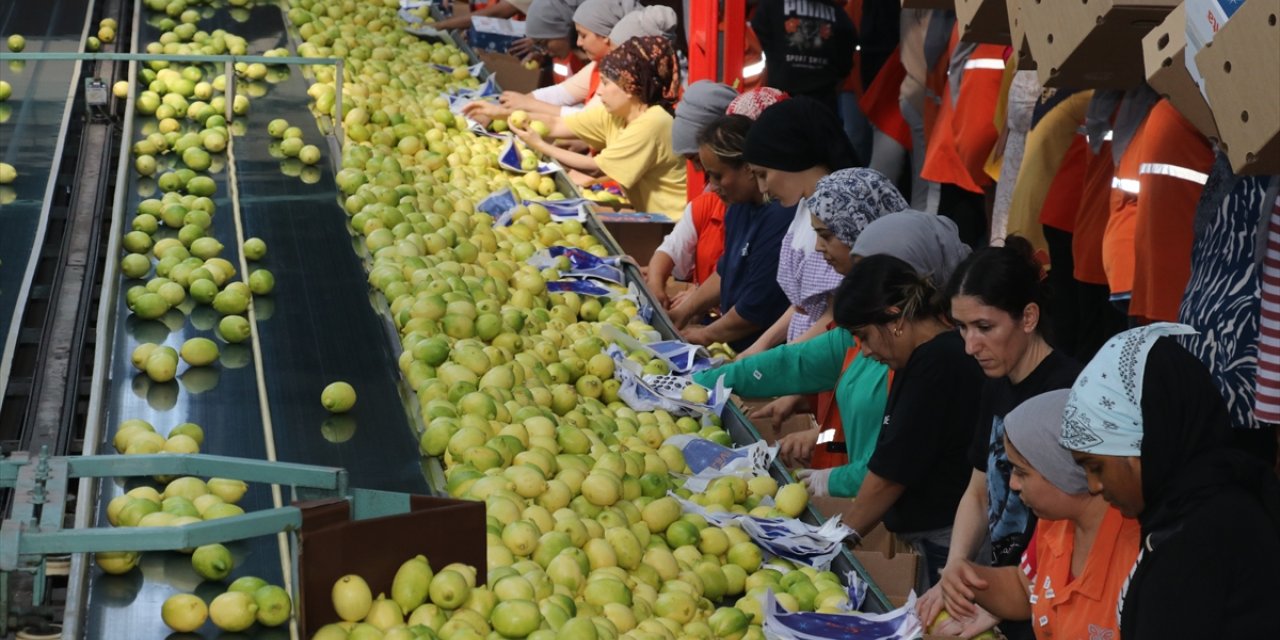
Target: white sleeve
554,94
682,245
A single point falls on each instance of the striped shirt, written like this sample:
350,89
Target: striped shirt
1267,408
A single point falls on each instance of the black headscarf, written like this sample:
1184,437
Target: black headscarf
1186,452
799,134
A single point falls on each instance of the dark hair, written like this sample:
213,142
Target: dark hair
878,283
726,137
1008,278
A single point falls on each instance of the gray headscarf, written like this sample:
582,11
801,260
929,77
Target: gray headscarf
550,19
703,102
928,242
647,21
600,16
850,199
1033,428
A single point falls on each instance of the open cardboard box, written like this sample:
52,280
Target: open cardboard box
331,544
1091,45
895,575
638,235
1164,51
984,21
1240,68
511,73
1018,35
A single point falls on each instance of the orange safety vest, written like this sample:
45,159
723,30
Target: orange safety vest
593,84
1091,219
880,101
1118,239
708,220
831,451
1062,200
1176,160
967,125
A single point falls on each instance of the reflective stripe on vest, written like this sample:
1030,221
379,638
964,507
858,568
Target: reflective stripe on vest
1127,185
561,69
985,63
1173,171
754,69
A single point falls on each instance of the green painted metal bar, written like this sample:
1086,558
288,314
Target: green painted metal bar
249,525
369,503
284,473
148,57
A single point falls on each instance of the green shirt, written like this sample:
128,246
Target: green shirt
812,366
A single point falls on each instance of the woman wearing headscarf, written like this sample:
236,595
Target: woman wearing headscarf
1079,557
1151,431
693,247
851,387
793,145
595,22
631,130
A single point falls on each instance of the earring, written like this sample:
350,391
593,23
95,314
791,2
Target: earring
897,333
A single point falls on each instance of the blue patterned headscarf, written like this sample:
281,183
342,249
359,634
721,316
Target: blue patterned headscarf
1104,413
850,199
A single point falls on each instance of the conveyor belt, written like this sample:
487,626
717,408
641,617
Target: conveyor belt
33,125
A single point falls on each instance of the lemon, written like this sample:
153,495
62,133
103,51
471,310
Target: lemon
117,562
184,612
274,605
515,618
212,562
412,581
233,611
792,499
338,397
351,598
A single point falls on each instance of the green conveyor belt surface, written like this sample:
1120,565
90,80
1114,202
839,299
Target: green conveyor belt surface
31,123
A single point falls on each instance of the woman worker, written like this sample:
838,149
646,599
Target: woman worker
919,470
1151,431
997,300
1079,558
745,284
631,130
929,243
693,247
794,144
600,29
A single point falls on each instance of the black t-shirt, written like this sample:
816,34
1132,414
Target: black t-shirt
808,46
1010,522
928,422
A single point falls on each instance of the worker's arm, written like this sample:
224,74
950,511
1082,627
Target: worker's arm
502,9
569,159
706,296
874,499
729,327
1003,591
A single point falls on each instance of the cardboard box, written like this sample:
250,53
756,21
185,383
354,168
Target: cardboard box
1240,70
638,235
1204,19
1164,52
494,34
331,545
878,539
510,71
1018,35
984,21
1094,45
896,576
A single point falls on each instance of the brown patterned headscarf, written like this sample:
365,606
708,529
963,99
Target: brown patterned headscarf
645,67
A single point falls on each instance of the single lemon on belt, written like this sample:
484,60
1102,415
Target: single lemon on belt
338,397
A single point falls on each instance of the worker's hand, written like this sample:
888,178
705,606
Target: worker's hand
453,23
775,412
659,292
530,138
681,296
696,334
960,584
929,605
523,48
513,100
483,111
681,314
816,481
796,449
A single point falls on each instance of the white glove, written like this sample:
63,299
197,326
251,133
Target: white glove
815,480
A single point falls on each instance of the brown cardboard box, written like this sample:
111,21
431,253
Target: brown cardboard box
1240,69
1095,44
1164,52
637,239
1018,35
511,73
331,545
896,576
984,21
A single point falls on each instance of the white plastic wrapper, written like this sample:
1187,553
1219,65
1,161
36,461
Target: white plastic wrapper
644,392
899,624
581,264
682,357
509,159
785,538
415,24
708,460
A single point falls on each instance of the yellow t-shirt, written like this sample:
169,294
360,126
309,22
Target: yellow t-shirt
637,156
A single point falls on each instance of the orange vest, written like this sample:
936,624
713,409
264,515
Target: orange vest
961,135
1176,160
1066,607
593,84
1117,240
708,220
1062,200
1091,219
